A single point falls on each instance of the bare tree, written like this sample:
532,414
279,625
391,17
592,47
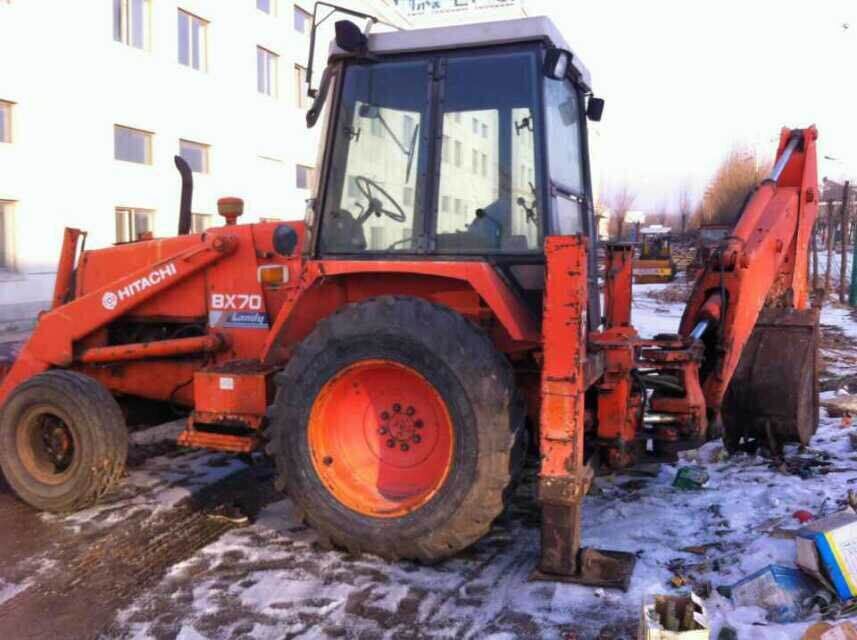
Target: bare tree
661,214
621,200
733,181
685,207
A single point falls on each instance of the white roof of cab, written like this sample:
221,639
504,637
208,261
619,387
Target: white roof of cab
479,34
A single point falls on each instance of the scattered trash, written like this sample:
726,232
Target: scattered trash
674,618
827,550
702,549
802,516
839,609
805,466
231,513
844,631
689,478
647,470
779,590
678,581
727,633
815,631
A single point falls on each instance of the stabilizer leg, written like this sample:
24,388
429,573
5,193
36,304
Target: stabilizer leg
564,478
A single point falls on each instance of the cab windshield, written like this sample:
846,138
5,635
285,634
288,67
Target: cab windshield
468,184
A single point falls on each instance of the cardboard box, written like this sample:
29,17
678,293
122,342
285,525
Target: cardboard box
827,549
656,610
844,631
780,590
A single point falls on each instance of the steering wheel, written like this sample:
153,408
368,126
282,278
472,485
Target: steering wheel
369,189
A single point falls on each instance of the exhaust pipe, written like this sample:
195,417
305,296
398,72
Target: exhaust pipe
185,218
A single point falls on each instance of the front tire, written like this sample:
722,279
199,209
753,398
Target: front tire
63,441
396,428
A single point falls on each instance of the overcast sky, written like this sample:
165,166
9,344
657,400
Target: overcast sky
686,80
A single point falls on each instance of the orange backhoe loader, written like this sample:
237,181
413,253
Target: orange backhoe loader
440,298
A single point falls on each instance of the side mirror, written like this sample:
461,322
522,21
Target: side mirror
349,37
557,64
595,109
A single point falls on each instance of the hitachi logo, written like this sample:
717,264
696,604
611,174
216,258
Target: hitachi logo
110,299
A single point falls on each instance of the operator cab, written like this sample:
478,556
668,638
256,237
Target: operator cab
463,142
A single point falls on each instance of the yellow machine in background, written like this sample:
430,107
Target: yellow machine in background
654,263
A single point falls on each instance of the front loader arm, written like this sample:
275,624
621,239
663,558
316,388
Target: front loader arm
762,264
52,342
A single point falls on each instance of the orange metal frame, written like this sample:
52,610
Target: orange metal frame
763,262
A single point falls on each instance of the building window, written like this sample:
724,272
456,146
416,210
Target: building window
193,45
408,197
475,127
445,153
200,222
408,128
267,6
459,206
304,176
458,152
131,22
301,97
376,239
485,131
5,121
303,20
133,224
353,189
6,235
132,145
266,71
444,204
195,154
474,161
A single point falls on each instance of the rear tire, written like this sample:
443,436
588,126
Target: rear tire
63,441
358,383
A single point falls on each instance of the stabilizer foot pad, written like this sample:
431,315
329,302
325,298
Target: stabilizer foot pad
597,568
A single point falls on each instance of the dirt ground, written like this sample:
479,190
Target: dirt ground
153,561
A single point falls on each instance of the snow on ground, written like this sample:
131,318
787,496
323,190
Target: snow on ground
270,579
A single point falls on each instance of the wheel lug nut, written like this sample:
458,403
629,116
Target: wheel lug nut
391,443
382,431
417,439
397,408
405,446
327,460
385,416
410,411
418,424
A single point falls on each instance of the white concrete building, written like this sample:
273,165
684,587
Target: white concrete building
97,97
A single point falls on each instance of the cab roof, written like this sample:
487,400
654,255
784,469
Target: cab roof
481,34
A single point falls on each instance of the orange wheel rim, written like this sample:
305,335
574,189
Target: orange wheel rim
381,438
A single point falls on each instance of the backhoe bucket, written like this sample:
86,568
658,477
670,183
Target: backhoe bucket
773,396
